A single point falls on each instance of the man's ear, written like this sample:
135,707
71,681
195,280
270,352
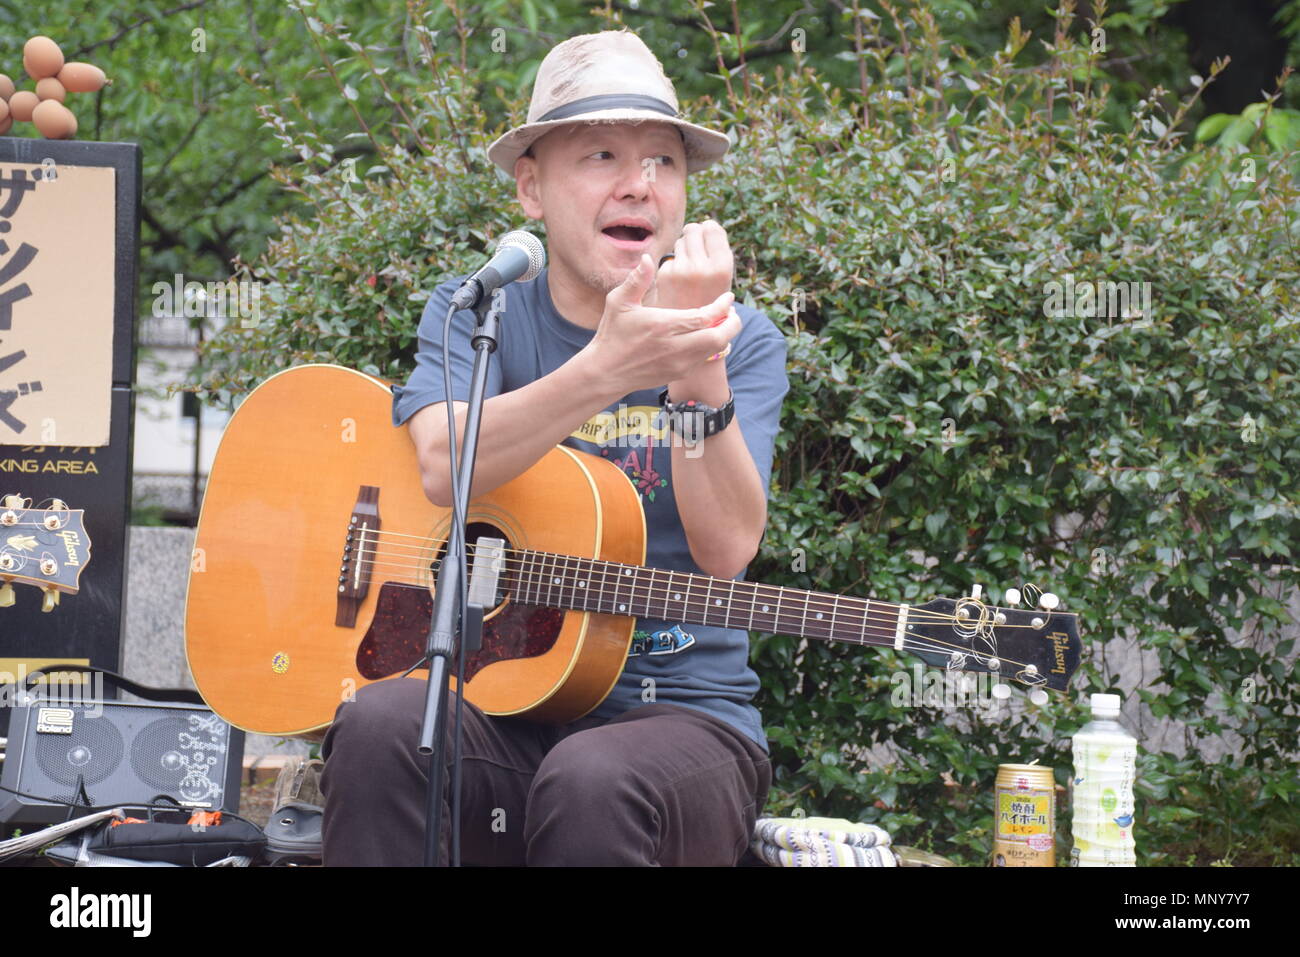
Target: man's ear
526,190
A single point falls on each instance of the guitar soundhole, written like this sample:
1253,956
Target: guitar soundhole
399,631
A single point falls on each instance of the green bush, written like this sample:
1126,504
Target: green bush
941,429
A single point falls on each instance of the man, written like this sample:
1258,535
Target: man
672,767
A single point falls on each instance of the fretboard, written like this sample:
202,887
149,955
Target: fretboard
585,584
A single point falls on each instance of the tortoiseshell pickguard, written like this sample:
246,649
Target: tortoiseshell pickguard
399,632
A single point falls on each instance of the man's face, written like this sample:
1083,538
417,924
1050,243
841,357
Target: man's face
584,179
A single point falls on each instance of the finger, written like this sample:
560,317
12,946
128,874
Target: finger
693,237
632,290
682,255
716,245
706,342
681,321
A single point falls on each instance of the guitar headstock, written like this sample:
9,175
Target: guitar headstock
1037,647
45,547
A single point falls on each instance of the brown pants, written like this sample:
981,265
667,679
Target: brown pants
660,784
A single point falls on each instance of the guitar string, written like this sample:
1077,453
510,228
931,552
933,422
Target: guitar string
654,592
816,603
884,633
887,635
422,543
917,615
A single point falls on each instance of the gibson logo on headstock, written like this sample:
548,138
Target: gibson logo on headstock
1060,641
70,541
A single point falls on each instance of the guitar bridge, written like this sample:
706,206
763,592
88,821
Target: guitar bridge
358,556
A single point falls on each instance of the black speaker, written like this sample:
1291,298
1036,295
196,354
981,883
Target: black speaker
122,753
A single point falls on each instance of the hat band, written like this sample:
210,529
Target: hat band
608,101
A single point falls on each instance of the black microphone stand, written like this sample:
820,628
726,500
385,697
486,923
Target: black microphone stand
445,626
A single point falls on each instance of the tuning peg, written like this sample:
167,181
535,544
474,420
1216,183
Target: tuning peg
14,501
1038,696
1048,601
976,591
6,595
51,599
1001,691
1012,596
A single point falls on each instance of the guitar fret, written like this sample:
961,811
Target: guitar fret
835,608
566,580
581,579
518,581
601,569
819,616
547,596
625,607
749,592
726,622
707,594
557,580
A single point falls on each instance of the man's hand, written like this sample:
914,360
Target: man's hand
641,347
701,268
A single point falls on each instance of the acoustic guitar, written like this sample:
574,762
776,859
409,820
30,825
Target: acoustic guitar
317,550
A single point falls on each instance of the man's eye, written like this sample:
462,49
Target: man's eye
670,160
602,153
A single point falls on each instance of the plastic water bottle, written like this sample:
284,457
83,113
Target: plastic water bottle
1105,764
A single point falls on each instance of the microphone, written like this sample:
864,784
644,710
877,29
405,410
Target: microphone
519,255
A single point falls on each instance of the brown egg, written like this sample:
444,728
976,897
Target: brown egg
21,105
54,120
6,88
50,89
7,122
42,57
4,110
81,77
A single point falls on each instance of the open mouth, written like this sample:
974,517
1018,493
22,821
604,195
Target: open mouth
628,237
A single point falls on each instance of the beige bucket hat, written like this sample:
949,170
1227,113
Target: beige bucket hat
604,78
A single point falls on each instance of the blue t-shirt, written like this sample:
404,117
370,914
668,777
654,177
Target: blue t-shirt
695,666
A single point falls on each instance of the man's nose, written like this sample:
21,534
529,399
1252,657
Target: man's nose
634,179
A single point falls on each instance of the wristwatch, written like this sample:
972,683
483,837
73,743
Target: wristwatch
694,421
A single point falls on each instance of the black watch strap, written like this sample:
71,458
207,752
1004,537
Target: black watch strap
693,420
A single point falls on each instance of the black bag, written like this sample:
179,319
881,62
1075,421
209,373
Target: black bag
169,836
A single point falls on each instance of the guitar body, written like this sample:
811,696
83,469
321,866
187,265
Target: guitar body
286,616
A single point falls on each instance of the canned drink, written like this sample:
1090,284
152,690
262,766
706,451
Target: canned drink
1024,809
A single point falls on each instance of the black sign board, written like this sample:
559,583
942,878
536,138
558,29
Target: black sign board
85,627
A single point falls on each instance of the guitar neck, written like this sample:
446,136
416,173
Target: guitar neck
585,584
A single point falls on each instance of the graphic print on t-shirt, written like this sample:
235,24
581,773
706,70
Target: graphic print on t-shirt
639,428
667,642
